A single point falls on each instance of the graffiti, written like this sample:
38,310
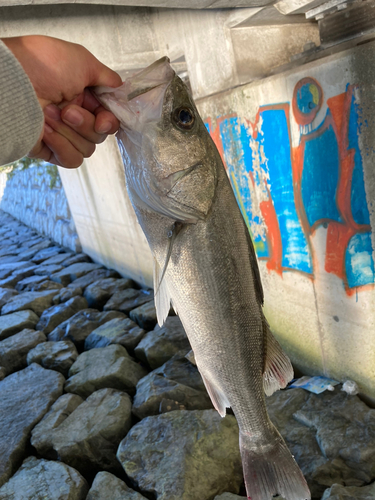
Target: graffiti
285,193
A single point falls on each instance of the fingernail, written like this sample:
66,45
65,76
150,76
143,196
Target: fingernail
47,128
73,116
104,128
52,111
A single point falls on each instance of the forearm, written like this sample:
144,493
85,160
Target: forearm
21,117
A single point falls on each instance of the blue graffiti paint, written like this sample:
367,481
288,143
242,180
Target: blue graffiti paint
358,260
307,98
320,176
238,158
358,195
276,143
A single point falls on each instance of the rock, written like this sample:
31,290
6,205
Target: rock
104,367
43,479
145,315
36,301
126,300
57,259
79,326
9,282
33,250
55,315
66,294
339,421
10,259
13,350
338,492
121,331
24,272
7,269
162,343
49,269
179,369
74,271
88,439
93,276
183,455
13,323
45,254
99,292
47,285
41,435
27,284
230,496
75,259
105,482
6,294
3,373
57,356
25,397
153,389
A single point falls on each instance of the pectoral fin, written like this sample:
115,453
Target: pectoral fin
218,398
278,370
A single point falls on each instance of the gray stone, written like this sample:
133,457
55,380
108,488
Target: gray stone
6,294
88,439
345,429
3,373
57,356
66,294
14,350
117,331
9,282
126,300
145,315
28,284
14,323
44,480
159,345
93,276
24,272
45,254
57,259
338,492
79,326
25,397
10,259
55,315
179,369
47,285
110,367
34,249
99,292
7,269
105,482
230,496
74,271
153,389
41,435
36,301
75,259
183,455
47,270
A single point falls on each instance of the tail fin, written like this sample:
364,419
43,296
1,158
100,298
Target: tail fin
271,470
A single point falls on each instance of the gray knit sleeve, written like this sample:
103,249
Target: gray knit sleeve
21,117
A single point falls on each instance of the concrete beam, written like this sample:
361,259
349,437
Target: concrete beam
171,4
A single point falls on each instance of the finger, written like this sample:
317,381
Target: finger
41,151
83,122
52,117
64,153
102,75
106,122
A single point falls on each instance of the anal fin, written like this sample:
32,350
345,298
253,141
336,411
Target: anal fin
278,370
218,398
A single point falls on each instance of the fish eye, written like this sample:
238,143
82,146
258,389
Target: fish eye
184,118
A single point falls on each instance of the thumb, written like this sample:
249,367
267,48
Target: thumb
100,74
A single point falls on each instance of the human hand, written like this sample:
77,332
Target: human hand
61,74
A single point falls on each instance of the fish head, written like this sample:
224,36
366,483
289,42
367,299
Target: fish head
168,155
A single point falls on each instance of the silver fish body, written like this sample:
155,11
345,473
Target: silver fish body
206,266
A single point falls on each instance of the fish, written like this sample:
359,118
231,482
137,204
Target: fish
205,265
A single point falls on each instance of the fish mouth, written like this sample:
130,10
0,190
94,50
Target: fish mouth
138,92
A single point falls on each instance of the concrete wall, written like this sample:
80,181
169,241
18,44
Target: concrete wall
27,196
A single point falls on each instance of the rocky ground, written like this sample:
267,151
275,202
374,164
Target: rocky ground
98,403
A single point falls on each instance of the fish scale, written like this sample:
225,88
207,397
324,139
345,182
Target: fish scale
205,265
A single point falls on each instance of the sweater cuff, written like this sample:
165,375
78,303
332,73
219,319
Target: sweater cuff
21,116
